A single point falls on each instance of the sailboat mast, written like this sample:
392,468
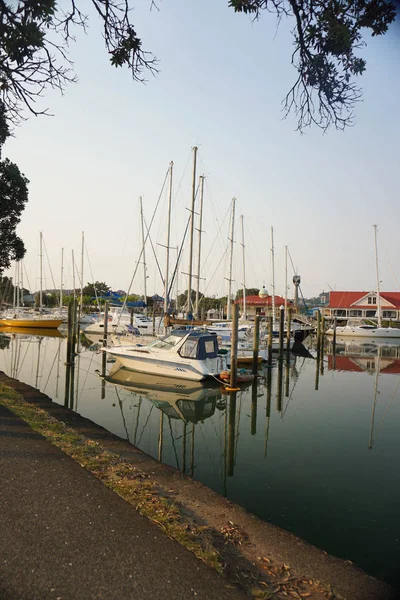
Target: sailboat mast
22,284
41,271
196,310
82,254
61,280
286,281
73,273
189,297
17,282
244,270
228,312
378,296
144,255
273,276
168,239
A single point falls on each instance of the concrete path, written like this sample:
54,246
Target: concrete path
65,536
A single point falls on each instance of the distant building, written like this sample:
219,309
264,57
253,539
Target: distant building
347,305
262,306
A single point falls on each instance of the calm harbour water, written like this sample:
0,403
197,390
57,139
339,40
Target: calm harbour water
311,447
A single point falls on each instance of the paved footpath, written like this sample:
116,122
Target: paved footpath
65,536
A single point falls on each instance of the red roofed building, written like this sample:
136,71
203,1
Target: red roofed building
345,305
256,305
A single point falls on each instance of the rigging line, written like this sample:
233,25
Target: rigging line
173,442
213,206
154,252
122,413
57,354
294,385
87,373
216,268
215,239
26,275
48,262
91,274
141,252
178,259
390,264
386,410
145,424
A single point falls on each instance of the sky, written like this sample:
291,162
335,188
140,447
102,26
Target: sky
221,81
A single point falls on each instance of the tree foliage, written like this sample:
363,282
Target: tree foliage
13,197
249,292
98,288
327,37
34,39
35,35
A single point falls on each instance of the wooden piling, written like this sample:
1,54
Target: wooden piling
270,338
256,344
334,333
253,417
318,325
234,346
288,329
281,331
279,387
69,333
231,433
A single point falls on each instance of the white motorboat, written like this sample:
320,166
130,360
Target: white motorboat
360,328
186,400
183,354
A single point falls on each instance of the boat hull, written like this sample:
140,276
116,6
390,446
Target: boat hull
31,323
378,332
153,365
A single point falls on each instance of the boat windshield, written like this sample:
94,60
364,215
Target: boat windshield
360,323
166,343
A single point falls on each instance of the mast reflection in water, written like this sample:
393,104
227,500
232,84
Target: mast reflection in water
311,446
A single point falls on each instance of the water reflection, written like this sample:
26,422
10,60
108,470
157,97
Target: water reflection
309,445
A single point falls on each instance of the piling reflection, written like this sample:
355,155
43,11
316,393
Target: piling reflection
286,435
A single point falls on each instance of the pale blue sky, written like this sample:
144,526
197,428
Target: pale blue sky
221,82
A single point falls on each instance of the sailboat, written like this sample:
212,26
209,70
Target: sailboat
360,328
30,319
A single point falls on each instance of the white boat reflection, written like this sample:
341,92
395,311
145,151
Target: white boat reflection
177,398
362,356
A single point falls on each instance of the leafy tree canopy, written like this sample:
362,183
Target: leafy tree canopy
249,292
327,37
99,287
13,197
34,39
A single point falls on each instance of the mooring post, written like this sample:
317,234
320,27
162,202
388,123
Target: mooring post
318,325
253,418
281,331
256,344
270,338
74,329
334,333
279,386
288,329
287,376
231,433
69,333
234,345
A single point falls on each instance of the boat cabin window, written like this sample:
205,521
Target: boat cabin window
200,348
167,343
189,348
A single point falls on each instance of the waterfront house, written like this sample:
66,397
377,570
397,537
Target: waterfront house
345,305
262,306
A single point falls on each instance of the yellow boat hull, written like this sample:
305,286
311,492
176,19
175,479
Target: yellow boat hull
31,323
54,333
